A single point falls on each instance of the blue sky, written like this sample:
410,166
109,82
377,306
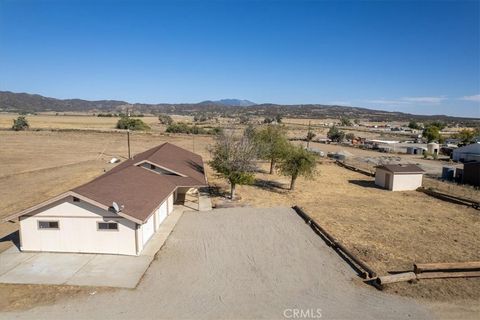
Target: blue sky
413,56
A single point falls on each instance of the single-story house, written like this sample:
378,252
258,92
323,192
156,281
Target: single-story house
118,212
467,153
399,177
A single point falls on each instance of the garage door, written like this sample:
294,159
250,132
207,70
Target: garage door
161,213
147,230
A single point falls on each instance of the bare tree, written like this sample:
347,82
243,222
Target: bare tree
233,158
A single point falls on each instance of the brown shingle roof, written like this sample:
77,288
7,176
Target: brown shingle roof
401,168
140,190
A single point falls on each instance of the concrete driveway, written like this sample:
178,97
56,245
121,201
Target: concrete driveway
83,269
241,263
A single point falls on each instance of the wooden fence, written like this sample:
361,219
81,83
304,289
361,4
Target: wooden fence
361,267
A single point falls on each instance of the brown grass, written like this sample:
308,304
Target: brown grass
21,297
388,230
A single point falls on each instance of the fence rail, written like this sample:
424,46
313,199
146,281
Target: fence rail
350,167
450,198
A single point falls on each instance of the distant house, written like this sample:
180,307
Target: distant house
399,177
118,212
467,153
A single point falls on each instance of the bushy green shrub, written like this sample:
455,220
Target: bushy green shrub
20,123
182,127
132,124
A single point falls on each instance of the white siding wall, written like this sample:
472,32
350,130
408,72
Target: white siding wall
404,182
380,177
78,230
170,203
148,229
160,214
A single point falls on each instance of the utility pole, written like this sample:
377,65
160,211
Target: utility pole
128,142
128,133
308,135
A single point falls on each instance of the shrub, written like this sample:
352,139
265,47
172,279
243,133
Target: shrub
20,123
182,127
165,119
132,124
335,135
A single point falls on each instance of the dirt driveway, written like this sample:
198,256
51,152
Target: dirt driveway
239,263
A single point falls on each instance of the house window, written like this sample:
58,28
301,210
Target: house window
107,226
48,225
75,199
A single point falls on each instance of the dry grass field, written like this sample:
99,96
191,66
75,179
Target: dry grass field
80,121
388,230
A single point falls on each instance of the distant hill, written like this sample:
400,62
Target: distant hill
10,101
229,102
24,102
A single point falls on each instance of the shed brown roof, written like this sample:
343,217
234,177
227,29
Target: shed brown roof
140,190
401,168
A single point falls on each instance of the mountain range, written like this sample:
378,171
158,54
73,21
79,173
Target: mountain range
25,102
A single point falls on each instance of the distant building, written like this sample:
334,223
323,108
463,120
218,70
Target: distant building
433,148
471,173
467,153
399,177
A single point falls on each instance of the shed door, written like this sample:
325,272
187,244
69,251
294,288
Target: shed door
388,177
147,230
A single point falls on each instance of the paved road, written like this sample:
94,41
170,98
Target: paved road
240,263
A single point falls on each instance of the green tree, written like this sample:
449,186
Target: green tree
431,133
267,120
350,136
465,135
298,162
413,125
440,125
345,122
165,119
272,144
310,136
20,123
131,124
233,158
335,135
278,118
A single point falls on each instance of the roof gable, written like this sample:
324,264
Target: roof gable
402,168
139,190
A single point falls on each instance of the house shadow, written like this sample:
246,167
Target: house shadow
270,185
365,183
13,237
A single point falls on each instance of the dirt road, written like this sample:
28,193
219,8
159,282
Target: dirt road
240,263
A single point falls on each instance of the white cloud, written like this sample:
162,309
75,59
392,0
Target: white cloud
386,101
408,101
433,100
475,98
